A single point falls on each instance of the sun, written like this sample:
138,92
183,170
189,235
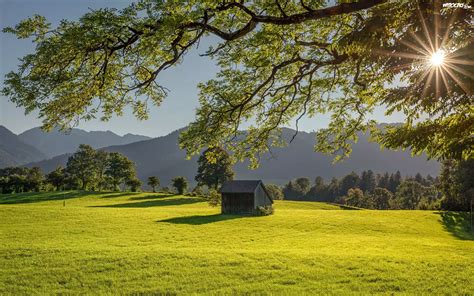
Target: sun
437,58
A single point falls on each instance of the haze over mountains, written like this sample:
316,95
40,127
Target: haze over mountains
55,142
162,157
35,144
14,152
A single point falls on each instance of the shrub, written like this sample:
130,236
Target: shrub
214,199
274,191
265,210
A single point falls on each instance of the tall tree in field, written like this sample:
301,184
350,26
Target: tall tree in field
57,178
82,165
101,161
153,182
120,169
279,61
214,168
180,184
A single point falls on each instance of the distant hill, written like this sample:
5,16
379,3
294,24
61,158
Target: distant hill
163,158
14,152
56,143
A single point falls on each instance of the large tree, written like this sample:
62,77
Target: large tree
214,168
82,165
280,60
120,169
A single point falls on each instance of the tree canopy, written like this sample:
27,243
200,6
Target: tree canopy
214,168
279,61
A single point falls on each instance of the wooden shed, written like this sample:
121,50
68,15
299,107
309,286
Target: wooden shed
244,197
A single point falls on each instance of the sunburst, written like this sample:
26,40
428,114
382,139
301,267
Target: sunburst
434,56
437,58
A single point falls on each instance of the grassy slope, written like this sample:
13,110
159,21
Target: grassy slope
132,243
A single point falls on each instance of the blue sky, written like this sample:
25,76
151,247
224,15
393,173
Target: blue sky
176,111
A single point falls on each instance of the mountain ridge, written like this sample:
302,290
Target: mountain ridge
162,157
55,143
14,152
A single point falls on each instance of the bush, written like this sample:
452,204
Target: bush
214,199
199,191
265,211
274,191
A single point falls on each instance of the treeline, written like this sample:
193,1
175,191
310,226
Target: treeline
86,169
452,190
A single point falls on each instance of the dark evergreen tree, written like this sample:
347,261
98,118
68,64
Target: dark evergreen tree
384,181
394,181
367,181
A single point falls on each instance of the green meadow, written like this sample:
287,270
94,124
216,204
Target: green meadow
144,243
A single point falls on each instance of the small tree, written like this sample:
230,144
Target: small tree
304,184
180,183
153,182
380,198
355,197
134,184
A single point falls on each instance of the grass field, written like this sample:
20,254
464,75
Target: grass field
122,243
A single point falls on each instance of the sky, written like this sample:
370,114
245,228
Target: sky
176,111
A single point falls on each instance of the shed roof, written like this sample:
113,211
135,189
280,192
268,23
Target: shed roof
240,186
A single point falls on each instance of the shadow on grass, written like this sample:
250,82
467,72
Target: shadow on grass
164,195
458,224
344,207
33,197
118,194
155,203
200,220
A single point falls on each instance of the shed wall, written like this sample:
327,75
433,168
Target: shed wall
237,203
261,198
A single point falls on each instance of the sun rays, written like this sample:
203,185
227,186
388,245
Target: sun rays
431,57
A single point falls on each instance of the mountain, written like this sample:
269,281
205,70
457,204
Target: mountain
56,143
162,157
14,152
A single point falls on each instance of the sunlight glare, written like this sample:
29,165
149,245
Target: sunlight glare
437,58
